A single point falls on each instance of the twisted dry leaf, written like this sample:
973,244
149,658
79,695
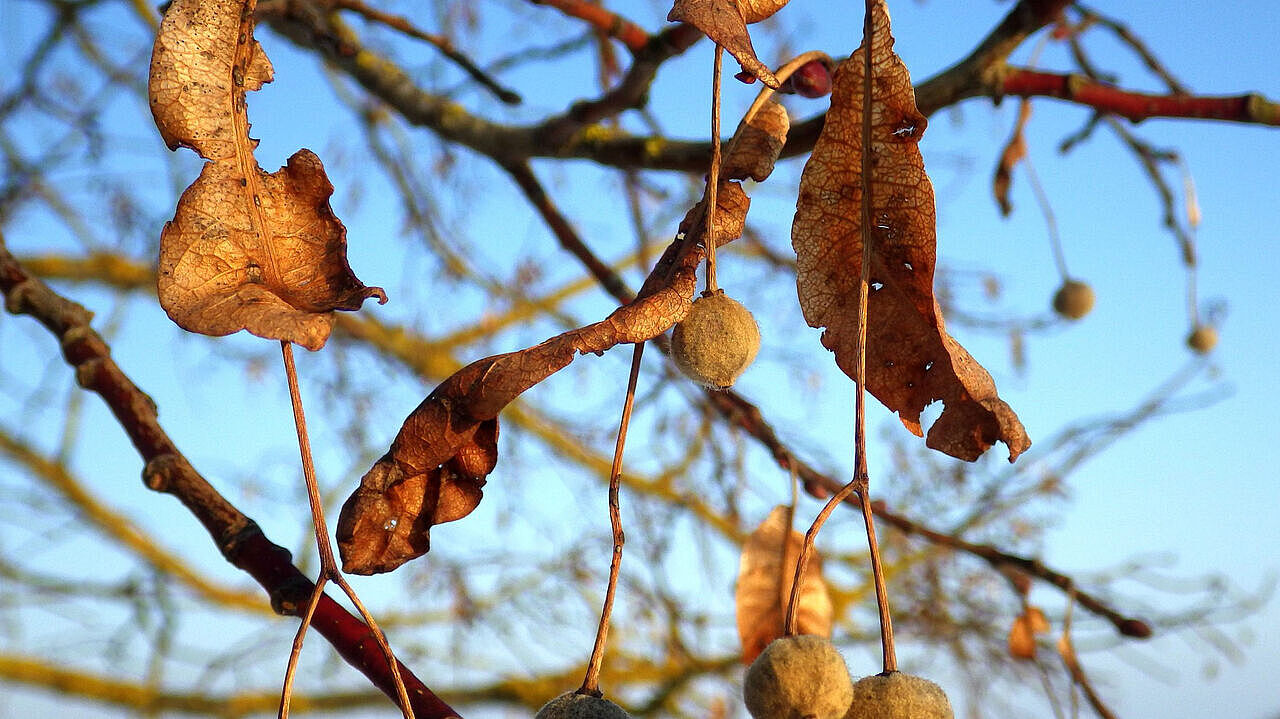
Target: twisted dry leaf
245,249
723,22
436,467
911,361
1014,150
766,573
757,144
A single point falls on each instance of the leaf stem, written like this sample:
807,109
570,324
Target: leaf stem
591,682
861,479
713,175
328,566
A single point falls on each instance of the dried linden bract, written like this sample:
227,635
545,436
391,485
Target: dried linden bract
1203,339
898,696
800,677
1073,299
716,341
572,705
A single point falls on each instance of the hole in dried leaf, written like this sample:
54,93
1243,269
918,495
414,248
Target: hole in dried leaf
908,265
391,524
928,365
875,286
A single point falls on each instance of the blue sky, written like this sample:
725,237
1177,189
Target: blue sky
1197,487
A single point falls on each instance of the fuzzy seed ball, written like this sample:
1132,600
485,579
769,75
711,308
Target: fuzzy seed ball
898,696
801,677
716,341
572,705
1202,339
1073,299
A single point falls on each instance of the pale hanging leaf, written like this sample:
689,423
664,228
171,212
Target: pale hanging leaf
1067,650
722,21
757,144
766,573
911,361
437,464
245,249
1014,150
1022,634
1190,203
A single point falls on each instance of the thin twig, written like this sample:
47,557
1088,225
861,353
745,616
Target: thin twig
1050,220
591,682
609,24
440,42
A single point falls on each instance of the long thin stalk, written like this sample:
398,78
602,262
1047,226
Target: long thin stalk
328,566
861,479
591,682
713,174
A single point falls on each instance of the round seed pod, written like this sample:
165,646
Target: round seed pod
1073,299
572,705
798,677
716,341
898,696
1202,339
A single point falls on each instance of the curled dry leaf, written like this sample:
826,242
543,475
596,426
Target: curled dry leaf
1014,151
911,361
246,249
756,10
723,22
437,464
1022,634
758,143
766,572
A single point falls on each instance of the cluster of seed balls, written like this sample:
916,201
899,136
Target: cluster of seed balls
800,677
1074,299
804,677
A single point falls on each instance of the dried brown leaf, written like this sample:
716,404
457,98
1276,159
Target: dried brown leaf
911,361
756,10
1022,641
758,143
723,22
1014,151
765,577
1022,634
1036,620
437,464
245,249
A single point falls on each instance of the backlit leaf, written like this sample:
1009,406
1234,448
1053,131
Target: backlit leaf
766,573
246,249
722,21
911,360
758,143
